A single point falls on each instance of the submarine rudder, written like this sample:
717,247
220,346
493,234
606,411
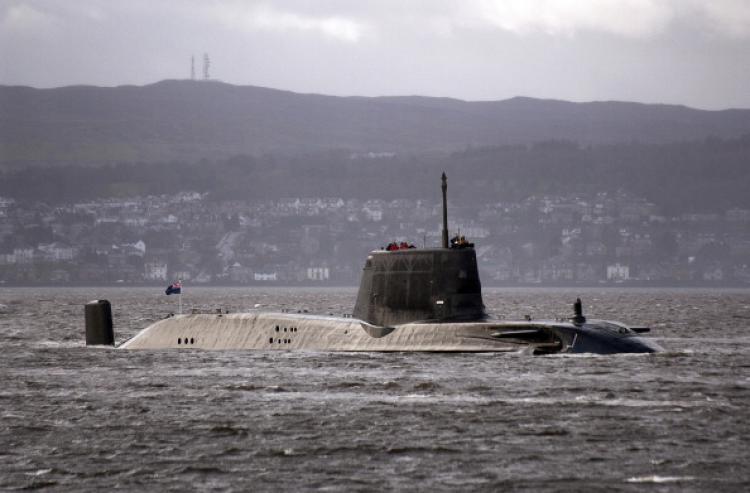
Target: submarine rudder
99,327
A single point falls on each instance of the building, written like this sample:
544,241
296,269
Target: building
618,272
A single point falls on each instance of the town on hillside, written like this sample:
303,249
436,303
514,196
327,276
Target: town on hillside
603,238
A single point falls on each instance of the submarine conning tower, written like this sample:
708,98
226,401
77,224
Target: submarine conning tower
429,284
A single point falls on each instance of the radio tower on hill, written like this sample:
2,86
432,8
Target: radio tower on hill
206,65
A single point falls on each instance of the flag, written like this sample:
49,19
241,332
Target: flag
174,288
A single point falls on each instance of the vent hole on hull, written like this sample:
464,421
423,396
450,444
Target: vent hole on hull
270,340
192,341
179,340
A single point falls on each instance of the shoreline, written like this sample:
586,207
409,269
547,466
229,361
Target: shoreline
603,285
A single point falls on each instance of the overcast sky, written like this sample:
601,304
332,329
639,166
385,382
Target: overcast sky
693,52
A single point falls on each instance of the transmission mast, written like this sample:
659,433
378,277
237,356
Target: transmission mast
192,67
206,65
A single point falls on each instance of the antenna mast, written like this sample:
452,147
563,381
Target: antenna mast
445,210
206,65
192,67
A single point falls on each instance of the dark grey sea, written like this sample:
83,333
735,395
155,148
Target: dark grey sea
90,419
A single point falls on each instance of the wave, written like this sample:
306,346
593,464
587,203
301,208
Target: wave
660,479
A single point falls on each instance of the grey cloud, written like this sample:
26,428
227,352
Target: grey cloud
676,51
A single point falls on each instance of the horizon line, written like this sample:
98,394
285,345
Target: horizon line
382,96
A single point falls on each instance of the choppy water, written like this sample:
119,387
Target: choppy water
87,419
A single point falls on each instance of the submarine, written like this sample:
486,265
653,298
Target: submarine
409,299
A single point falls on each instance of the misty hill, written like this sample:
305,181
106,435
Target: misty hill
189,120
711,175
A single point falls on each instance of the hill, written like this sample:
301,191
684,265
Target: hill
190,120
708,176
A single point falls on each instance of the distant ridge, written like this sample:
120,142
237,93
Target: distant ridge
190,120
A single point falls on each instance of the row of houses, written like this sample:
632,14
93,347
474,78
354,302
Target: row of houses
605,237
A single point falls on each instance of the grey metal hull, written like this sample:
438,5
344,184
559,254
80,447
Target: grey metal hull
283,332
280,331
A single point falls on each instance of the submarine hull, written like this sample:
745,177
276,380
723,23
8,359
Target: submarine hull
274,331
279,331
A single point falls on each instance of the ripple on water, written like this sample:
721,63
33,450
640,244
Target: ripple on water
90,418
660,479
